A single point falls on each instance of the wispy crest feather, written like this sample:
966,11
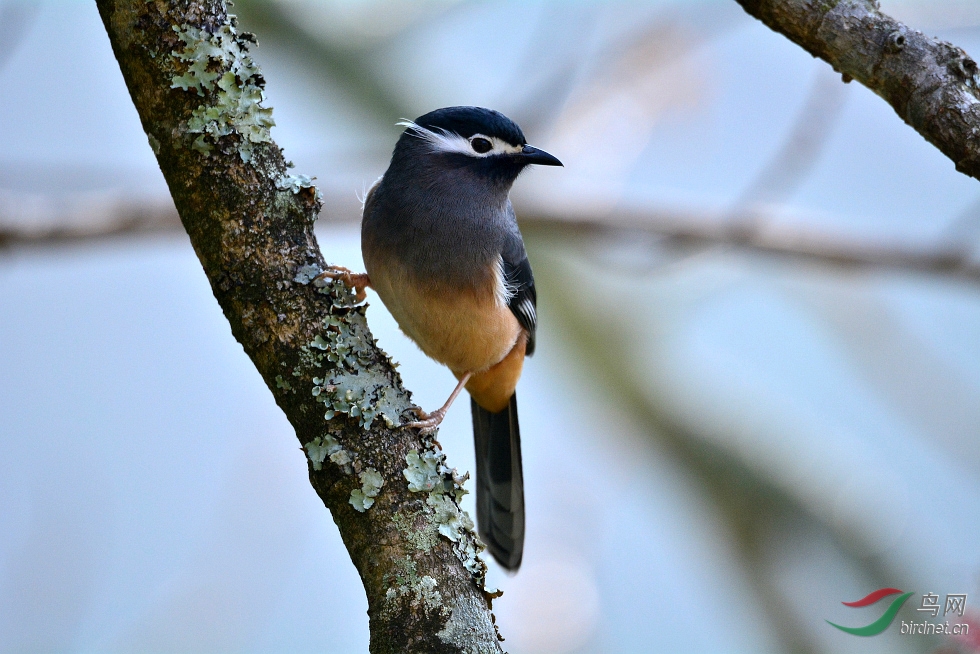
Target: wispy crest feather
446,141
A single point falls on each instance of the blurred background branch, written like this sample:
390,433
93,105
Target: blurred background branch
756,232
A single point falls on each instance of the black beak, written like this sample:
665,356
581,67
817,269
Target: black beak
532,155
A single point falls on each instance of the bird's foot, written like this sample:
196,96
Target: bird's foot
427,422
356,281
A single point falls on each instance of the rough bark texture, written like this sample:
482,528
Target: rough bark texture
251,223
931,84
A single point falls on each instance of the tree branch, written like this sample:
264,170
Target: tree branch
758,233
199,94
931,84
80,219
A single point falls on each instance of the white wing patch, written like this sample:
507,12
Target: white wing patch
503,288
526,307
445,141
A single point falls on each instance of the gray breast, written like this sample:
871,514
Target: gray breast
444,227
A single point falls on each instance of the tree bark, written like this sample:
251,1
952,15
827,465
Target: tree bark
931,84
199,96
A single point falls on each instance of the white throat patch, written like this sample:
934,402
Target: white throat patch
445,141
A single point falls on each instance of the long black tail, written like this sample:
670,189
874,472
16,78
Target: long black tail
499,483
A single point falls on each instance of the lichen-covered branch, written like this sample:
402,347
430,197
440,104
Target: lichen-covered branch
932,85
200,98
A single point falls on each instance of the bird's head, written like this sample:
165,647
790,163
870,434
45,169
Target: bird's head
481,141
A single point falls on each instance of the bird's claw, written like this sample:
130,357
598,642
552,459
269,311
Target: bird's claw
335,272
355,281
427,422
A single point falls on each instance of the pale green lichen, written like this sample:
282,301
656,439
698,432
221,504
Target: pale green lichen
422,595
354,383
420,591
362,395
322,447
362,498
416,529
154,143
283,384
427,473
308,360
468,551
356,386
221,70
296,183
422,472
307,273
342,295
459,632
461,612
426,593
452,522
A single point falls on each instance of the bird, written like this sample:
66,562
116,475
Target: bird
443,251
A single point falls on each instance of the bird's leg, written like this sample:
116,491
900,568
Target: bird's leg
356,281
431,421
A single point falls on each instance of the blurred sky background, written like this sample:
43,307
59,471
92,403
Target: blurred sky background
721,442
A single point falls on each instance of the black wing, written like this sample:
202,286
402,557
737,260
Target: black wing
524,302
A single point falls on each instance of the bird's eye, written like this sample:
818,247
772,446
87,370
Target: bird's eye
481,145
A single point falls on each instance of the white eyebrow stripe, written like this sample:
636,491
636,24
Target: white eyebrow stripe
445,141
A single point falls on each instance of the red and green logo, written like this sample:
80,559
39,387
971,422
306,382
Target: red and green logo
885,620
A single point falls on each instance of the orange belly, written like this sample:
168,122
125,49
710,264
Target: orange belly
493,387
468,331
